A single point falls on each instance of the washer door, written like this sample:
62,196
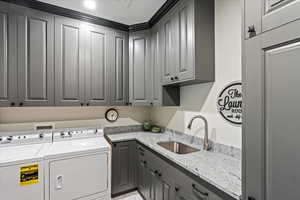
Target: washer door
79,177
22,182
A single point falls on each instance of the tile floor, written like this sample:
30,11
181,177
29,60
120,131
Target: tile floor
130,196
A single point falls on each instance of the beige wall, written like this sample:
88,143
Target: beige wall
202,98
26,117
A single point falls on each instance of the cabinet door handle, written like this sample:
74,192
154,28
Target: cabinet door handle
176,78
88,104
199,192
21,104
59,182
251,31
172,79
81,104
12,104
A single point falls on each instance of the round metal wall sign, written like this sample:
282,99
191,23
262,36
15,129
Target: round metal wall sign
230,103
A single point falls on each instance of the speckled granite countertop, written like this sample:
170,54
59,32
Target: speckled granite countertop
222,171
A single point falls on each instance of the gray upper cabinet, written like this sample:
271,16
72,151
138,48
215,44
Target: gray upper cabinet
167,36
119,69
186,33
139,68
271,123
265,15
156,84
69,62
97,66
35,58
8,62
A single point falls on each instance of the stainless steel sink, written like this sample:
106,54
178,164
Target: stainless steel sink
177,147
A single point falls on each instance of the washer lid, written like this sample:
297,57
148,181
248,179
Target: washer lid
17,154
75,147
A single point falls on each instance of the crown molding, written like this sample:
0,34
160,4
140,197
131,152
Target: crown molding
57,10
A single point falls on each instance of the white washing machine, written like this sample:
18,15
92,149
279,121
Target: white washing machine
78,166
21,166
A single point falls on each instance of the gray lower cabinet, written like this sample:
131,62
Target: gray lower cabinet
159,180
8,61
139,68
35,58
264,15
119,69
271,74
187,43
124,165
69,62
97,63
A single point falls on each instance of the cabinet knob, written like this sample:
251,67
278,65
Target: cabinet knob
176,189
12,104
176,78
88,104
21,104
251,31
115,145
151,104
251,198
172,79
81,104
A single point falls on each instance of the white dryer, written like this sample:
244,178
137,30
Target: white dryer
21,166
78,166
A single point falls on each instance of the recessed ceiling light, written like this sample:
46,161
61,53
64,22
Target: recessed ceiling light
89,4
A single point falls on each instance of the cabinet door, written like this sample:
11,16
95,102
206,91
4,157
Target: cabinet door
143,179
156,87
272,113
265,15
124,167
8,61
69,62
96,67
119,69
279,12
36,58
163,189
166,44
184,42
79,177
139,68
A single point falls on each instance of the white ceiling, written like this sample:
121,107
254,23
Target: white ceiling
123,11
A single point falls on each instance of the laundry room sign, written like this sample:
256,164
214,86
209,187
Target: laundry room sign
229,103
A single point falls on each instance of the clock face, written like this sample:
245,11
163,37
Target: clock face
111,115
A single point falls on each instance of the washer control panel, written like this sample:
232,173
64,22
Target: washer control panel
76,134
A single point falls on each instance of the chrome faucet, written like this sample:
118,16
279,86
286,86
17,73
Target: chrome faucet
206,145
